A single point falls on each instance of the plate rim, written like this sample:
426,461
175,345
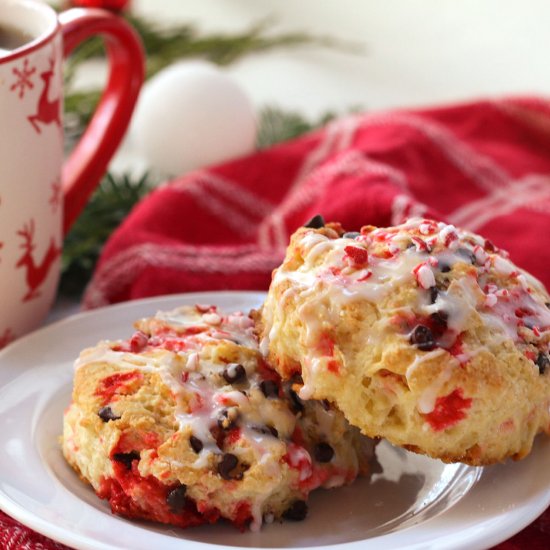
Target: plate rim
504,527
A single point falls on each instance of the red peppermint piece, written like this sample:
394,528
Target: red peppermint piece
424,275
456,348
325,345
366,276
138,342
427,227
333,366
358,256
421,244
448,411
385,254
523,312
121,383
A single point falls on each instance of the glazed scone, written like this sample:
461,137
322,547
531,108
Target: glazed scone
422,333
185,423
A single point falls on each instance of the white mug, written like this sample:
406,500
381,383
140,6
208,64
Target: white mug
40,195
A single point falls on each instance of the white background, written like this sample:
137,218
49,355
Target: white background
416,52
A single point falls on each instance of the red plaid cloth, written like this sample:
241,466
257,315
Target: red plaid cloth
484,166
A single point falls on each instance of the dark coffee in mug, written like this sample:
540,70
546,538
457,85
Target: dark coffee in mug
11,39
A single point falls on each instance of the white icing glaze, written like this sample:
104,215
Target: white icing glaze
103,353
426,401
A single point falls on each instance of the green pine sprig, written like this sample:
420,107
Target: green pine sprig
111,202
277,125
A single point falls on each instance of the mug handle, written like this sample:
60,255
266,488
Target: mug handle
88,162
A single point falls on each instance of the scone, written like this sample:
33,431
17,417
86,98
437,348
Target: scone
185,423
422,333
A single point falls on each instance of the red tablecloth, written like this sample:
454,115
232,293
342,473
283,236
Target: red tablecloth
484,166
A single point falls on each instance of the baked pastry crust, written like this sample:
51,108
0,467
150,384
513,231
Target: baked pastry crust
423,334
185,423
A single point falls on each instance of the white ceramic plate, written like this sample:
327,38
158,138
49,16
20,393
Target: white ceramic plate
415,503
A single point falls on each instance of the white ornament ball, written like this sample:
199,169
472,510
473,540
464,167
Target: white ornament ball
190,115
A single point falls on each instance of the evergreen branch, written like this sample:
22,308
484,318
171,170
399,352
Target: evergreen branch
108,206
163,46
276,125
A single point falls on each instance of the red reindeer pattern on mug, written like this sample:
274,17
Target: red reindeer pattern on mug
46,111
36,273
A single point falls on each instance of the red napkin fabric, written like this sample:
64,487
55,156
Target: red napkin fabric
484,166
15,536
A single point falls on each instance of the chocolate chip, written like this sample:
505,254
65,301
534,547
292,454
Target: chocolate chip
269,388
296,403
106,414
467,255
297,511
325,403
440,319
228,418
218,435
351,235
126,458
273,431
196,444
323,452
422,338
443,267
434,293
234,373
176,499
266,430
547,304
316,222
543,362
227,465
